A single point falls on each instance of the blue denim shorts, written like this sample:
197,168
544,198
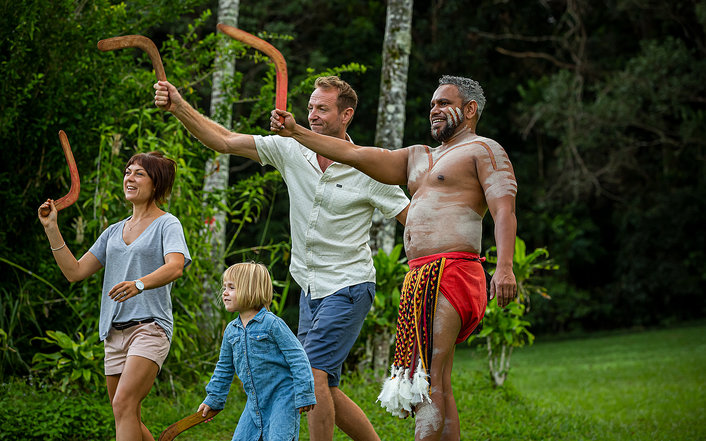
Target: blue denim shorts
329,326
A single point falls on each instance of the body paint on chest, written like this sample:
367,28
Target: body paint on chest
444,219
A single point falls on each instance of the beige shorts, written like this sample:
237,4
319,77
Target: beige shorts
147,340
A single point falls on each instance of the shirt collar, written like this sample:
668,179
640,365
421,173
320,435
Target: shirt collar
310,155
258,317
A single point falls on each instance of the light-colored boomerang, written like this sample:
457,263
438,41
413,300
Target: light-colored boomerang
271,52
72,195
140,42
175,429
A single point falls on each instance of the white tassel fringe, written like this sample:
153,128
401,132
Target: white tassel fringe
399,394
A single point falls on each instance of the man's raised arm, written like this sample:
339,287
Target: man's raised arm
386,166
210,133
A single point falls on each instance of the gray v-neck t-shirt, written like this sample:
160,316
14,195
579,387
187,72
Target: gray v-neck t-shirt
130,262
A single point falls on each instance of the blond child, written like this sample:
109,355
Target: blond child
268,359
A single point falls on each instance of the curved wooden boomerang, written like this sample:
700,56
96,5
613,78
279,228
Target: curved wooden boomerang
175,429
140,42
72,195
270,51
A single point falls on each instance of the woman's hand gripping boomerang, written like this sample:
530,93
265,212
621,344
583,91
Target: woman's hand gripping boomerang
72,195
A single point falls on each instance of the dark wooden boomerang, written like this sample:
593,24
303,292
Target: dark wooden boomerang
138,41
175,429
272,53
72,195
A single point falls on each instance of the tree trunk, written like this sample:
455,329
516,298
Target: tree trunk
381,343
388,133
391,105
217,168
499,363
375,353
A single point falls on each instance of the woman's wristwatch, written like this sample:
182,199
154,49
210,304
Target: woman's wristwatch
139,285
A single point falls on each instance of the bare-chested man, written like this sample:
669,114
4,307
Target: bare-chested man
443,300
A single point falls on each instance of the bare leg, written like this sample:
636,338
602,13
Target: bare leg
112,381
452,426
321,418
351,419
126,392
438,420
332,405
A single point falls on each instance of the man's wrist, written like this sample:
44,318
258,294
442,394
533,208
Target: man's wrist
298,131
178,108
504,265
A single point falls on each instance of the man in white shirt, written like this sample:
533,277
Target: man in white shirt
331,208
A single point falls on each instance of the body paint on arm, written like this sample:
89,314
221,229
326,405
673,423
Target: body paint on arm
500,181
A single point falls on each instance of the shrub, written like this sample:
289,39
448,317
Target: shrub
79,362
31,413
504,328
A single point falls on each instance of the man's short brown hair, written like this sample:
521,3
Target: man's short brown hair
346,95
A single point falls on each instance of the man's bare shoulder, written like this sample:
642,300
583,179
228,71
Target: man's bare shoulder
484,144
417,148
489,151
416,151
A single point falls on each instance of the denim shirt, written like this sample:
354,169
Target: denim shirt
276,376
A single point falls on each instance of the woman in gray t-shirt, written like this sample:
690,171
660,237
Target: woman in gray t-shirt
142,255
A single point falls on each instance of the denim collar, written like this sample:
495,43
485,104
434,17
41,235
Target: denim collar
258,317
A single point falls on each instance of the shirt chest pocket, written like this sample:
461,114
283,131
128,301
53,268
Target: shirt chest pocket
261,343
235,342
342,200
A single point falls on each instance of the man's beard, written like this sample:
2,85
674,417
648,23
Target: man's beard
448,131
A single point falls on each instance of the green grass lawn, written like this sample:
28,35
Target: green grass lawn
648,385
636,386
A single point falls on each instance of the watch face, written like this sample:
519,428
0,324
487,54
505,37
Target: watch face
139,285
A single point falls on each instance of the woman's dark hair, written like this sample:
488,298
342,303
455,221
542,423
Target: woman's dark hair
162,170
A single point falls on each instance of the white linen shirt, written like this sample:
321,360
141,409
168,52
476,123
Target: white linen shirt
330,215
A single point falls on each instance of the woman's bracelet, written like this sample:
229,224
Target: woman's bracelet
57,249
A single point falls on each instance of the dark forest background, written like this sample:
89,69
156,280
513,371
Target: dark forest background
601,106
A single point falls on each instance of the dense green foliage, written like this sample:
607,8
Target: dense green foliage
102,101
36,301
31,413
77,363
